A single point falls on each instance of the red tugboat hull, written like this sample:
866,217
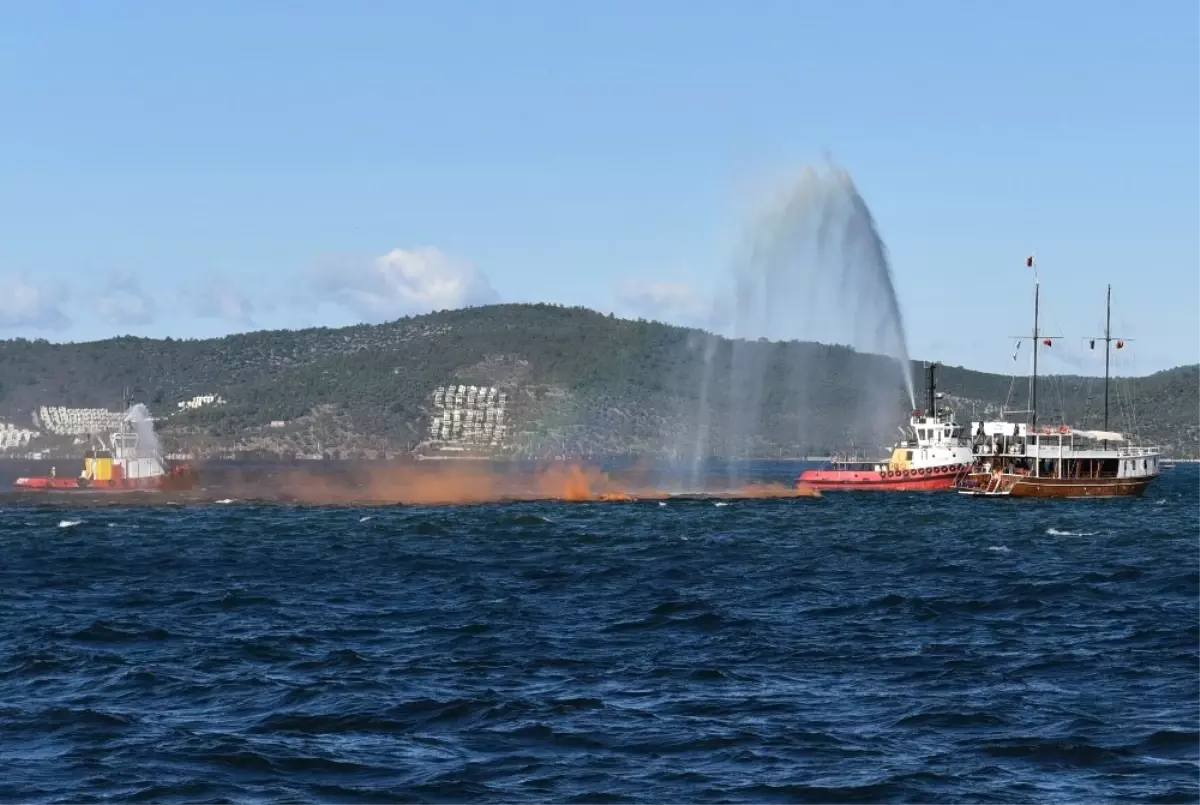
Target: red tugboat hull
932,479
177,479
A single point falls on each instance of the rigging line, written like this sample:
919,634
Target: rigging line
1133,397
1093,392
1129,401
1085,406
1085,394
1060,384
1012,380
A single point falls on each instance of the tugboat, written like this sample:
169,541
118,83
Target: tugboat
1062,461
119,464
936,456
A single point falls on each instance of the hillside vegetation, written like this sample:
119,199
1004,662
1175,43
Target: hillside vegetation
579,383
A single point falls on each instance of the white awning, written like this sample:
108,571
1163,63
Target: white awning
1106,435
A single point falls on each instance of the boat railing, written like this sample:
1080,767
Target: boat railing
1138,451
1012,449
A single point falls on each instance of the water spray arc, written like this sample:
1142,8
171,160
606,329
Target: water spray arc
812,268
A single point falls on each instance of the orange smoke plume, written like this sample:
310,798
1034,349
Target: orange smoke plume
461,485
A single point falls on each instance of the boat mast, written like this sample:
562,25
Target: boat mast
1033,378
1107,343
930,391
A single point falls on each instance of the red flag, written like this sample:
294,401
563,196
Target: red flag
1029,262
1046,342
1120,344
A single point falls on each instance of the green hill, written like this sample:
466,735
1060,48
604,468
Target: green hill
578,382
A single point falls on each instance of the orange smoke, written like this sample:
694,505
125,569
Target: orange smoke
776,490
577,483
460,484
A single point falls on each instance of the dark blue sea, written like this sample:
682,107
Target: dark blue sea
856,648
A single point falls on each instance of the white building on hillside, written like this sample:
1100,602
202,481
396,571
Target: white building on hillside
469,415
63,421
13,438
201,400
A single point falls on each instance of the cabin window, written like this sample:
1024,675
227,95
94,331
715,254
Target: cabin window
908,456
1145,464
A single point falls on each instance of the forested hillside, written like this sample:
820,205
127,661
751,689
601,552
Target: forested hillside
579,382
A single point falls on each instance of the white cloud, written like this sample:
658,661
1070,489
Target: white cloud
24,303
124,303
673,302
402,283
220,300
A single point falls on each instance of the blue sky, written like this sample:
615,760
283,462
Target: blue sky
204,168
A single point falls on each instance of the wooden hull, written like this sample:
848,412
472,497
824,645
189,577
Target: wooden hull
1024,486
860,480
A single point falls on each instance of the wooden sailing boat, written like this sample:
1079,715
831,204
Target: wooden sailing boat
1025,460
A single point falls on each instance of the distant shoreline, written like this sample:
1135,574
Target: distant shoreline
303,462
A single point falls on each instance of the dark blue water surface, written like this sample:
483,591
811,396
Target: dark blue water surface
860,647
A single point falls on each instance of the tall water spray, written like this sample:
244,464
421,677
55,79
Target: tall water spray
143,425
813,269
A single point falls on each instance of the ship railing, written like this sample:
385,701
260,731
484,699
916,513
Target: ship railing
1138,451
995,450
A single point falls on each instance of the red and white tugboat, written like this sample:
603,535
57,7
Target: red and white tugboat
934,457
120,464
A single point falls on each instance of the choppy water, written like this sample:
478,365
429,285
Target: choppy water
927,648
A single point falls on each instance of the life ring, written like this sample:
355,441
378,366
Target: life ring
1046,429
1063,429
